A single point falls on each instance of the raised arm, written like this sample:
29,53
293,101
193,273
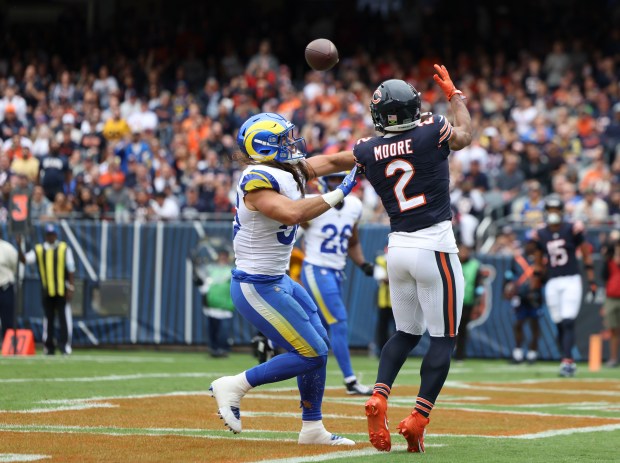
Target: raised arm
330,163
461,132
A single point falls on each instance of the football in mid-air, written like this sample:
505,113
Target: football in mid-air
321,54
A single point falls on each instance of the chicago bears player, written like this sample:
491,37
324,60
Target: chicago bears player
328,240
270,205
557,244
408,168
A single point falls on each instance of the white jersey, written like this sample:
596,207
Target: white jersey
262,245
327,238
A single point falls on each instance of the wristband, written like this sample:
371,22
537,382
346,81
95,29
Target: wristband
457,92
333,197
589,267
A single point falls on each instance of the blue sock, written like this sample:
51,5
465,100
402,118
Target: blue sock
284,366
311,386
338,336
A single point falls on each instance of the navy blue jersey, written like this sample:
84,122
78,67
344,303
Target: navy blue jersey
560,248
409,172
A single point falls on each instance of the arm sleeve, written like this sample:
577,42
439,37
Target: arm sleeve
70,261
31,257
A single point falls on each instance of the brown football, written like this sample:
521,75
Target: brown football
321,54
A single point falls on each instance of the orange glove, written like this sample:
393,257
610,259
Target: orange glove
444,81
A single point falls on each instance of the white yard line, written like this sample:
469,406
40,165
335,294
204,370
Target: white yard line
89,379
15,457
88,358
335,455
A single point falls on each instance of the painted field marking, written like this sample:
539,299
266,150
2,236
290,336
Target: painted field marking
87,358
337,455
15,457
88,379
65,408
483,387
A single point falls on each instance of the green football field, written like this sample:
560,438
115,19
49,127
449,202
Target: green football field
145,405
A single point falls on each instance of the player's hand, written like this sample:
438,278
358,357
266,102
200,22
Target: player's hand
445,82
348,182
368,269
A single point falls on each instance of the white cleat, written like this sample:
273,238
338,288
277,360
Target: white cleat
228,392
322,437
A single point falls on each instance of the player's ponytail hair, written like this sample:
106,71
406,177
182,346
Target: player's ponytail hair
300,170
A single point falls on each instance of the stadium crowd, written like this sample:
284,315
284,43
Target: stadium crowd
117,141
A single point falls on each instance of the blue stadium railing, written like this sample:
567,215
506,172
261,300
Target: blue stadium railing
135,287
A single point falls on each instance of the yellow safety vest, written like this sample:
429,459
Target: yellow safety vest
52,268
383,295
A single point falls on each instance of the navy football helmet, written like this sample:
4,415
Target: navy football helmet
395,106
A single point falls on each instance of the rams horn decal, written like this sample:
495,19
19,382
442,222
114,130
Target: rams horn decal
376,97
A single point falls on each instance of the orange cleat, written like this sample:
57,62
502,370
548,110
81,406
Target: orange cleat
413,429
378,429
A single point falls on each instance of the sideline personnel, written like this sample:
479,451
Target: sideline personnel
56,266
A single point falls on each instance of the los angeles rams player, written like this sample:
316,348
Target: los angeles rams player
558,243
270,205
328,239
408,168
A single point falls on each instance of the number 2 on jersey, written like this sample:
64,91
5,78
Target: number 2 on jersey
399,188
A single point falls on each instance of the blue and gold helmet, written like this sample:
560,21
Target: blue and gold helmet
269,137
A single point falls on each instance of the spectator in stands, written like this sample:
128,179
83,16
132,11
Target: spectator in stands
10,124
535,166
591,209
115,128
27,164
5,170
40,206
506,242
55,172
530,210
478,179
523,115
68,128
510,178
105,86
193,205
13,103
61,207
64,91
119,199
86,206
163,206
597,176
